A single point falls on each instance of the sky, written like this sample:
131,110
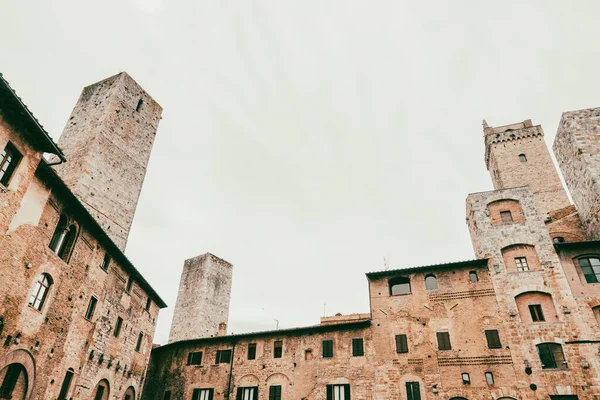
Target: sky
307,141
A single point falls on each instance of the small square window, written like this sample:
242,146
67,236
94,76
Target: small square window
536,313
489,378
194,358
521,263
327,348
105,262
251,351
506,217
522,158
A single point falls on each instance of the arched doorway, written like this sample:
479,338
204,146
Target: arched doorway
102,390
129,394
14,382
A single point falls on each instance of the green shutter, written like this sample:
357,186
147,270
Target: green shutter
401,344
255,393
211,393
347,392
329,392
239,394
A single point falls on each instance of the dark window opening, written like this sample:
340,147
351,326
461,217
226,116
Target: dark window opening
473,277
506,217
590,267
40,291
443,339
202,394
252,351
431,282
277,349
10,380
167,395
9,159
223,357
522,158
89,313
401,344
536,313
552,356
275,392
338,392
521,263
138,345
64,389
399,286
139,105
466,379
118,325
413,391
105,262
358,347
129,285
194,358
493,339
99,393
327,348
489,378
148,303
247,393
63,239
558,239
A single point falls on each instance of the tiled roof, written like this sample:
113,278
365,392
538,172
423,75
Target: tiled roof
458,264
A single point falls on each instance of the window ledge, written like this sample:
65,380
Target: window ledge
3,189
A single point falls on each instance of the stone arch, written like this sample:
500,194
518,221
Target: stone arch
278,377
505,211
520,257
248,380
129,394
24,358
102,387
506,398
526,300
431,282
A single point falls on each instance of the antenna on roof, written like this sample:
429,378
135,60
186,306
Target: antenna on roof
324,306
386,264
276,320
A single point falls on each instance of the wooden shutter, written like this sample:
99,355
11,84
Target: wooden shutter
443,341
413,391
64,390
239,394
401,344
358,347
346,392
327,348
189,360
211,393
493,339
196,394
255,397
329,392
218,357
275,393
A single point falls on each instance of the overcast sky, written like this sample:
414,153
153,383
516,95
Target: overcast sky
304,141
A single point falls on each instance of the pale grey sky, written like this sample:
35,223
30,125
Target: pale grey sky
303,141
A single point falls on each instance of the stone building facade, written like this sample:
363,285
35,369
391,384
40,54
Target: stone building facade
520,321
76,318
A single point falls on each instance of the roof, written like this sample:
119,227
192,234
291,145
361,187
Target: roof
48,174
482,262
278,332
584,243
17,113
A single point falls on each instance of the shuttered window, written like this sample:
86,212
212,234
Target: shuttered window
443,339
327,348
247,393
194,358
277,349
493,339
358,347
223,357
338,392
64,390
251,351
413,391
551,356
275,392
401,344
203,394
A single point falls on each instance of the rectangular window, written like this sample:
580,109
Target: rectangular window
277,349
443,339
274,392
223,357
9,159
489,378
10,381
493,339
506,217
401,344
251,351
64,389
129,285
413,391
590,266
338,392
473,277
194,358
536,313
551,356
118,325
148,303
521,264
202,394
167,395
358,347
138,345
91,308
105,262
466,378
247,393
327,348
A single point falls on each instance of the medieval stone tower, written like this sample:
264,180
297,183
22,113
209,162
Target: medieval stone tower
516,155
202,307
107,142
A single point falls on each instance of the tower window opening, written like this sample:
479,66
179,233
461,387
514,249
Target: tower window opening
506,217
522,158
139,105
398,286
521,264
536,313
558,239
473,277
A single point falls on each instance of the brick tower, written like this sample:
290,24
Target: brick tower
516,155
202,305
577,150
107,142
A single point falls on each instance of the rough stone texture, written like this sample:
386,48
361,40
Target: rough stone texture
107,142
577,149
203,298
504,144
565,223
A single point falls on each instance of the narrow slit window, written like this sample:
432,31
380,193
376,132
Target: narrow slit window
66,385
251,351
9,159
138,345
105,262
148,303
277,349
118,325
536,313
401,344
89,313
139,105
129,285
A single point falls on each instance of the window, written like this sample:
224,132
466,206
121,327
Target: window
466,379
148,303
63,239
413,392
138,345
252,351
9,159
489,378
118,325
595,310
277,349
40,291
99,393
431,282
506,217
338,392
223,357
558,239
522,158
591,269
358,347
275,392
139,105
443,339
551,356
129,285
521,263
401,344
202,394
64,389
89,313
10,380
536,313
102,390
399,286
167,395
247,393
105,262
493,339
327,348
194,358
473,277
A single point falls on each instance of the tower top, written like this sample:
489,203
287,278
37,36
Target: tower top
507,133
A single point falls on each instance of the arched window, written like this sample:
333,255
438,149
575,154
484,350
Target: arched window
14,384
40,291
558,239
66,385
536,307
129,394
473,276
551,356
431,282
399,285
590,266
522,158
520,258
63,239
596,311
102,390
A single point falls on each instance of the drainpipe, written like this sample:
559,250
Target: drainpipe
228,394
